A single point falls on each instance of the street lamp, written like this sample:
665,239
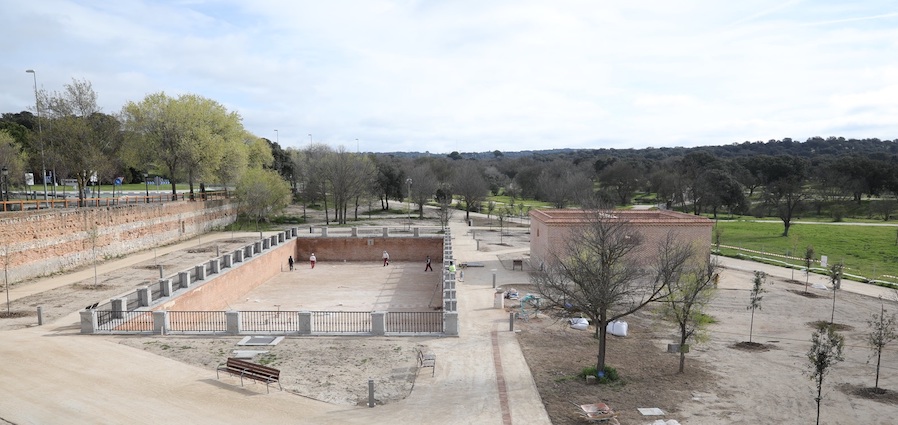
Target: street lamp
277,137
357,146
147,186
409,182
310,140
37,105
4,185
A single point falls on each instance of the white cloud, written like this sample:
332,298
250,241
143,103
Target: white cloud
477,76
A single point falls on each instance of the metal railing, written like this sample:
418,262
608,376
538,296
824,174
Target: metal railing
414,322
197,321
269,321
125,321
341,322
72,201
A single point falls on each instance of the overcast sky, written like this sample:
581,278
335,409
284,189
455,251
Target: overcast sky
474,76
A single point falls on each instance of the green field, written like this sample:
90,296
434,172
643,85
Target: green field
866,250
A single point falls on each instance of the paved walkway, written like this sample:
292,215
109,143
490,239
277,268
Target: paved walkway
52,374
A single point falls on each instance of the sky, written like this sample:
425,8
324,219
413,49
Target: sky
473,76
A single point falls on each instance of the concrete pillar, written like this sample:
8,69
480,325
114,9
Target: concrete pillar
355,232
119,306
499,300
282,236
238,256
386,232
257,247
324,232
248,251
448,294
160,322
449,305
450,323
200,272
266,243
304,322
214,266
166,286
88,321
378,322
417,232
232,317
184,278
144,297
293,232
494,277
227,260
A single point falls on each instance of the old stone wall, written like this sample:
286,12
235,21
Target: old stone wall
44,242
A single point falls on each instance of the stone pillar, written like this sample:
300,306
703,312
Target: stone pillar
386,232
214,266
378,322
144,297
184,279
257,247
355,232
304,322
238,256
160,322
417,232
119,306
232,317
274,240
89,322
324,232
450,323
283,236
266,243
200,272
166,287
228,260
499,299
293,232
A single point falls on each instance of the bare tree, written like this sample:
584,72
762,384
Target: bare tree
757,292
808,261
882,332
826,351
835,276
424,186
597,272
470,185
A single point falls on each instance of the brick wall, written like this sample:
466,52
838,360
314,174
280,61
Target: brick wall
45,242
370,248
550,228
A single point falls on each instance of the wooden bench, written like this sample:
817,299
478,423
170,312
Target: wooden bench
517,263
427,360
249,370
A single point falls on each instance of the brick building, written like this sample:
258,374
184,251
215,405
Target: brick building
550,227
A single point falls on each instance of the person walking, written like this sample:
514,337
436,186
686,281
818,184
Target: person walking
290,262
427,264
452,269
386,259
312,260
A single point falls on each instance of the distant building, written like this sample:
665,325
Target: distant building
549,228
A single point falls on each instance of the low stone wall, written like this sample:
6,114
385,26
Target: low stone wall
370,248
43,242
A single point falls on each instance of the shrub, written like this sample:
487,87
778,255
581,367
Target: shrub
608,375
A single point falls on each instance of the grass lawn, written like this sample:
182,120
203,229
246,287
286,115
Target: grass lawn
869,251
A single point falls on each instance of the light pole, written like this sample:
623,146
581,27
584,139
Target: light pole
147,186
357,146
310,140
4,185
37,105
277,137
409,182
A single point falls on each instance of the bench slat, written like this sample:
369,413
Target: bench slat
252,371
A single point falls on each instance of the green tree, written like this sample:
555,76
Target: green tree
261,194
882,333
826,351
808,261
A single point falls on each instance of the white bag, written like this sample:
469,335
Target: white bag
617,328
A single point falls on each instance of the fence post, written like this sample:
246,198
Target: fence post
386,231
166,286
324,232
355,232
304,322
450,323
417,232
144,297
238,256
160,322
119,306
378,322
227,259
200,272
184,279
214,265
233,322
88,321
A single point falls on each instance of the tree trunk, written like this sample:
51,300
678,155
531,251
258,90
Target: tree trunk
603,333
683,338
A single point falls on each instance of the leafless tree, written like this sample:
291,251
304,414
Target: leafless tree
598,272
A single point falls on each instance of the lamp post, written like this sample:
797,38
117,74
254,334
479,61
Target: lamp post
357,146
147,186
409,182
4,185
310,140
37,105
277,137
